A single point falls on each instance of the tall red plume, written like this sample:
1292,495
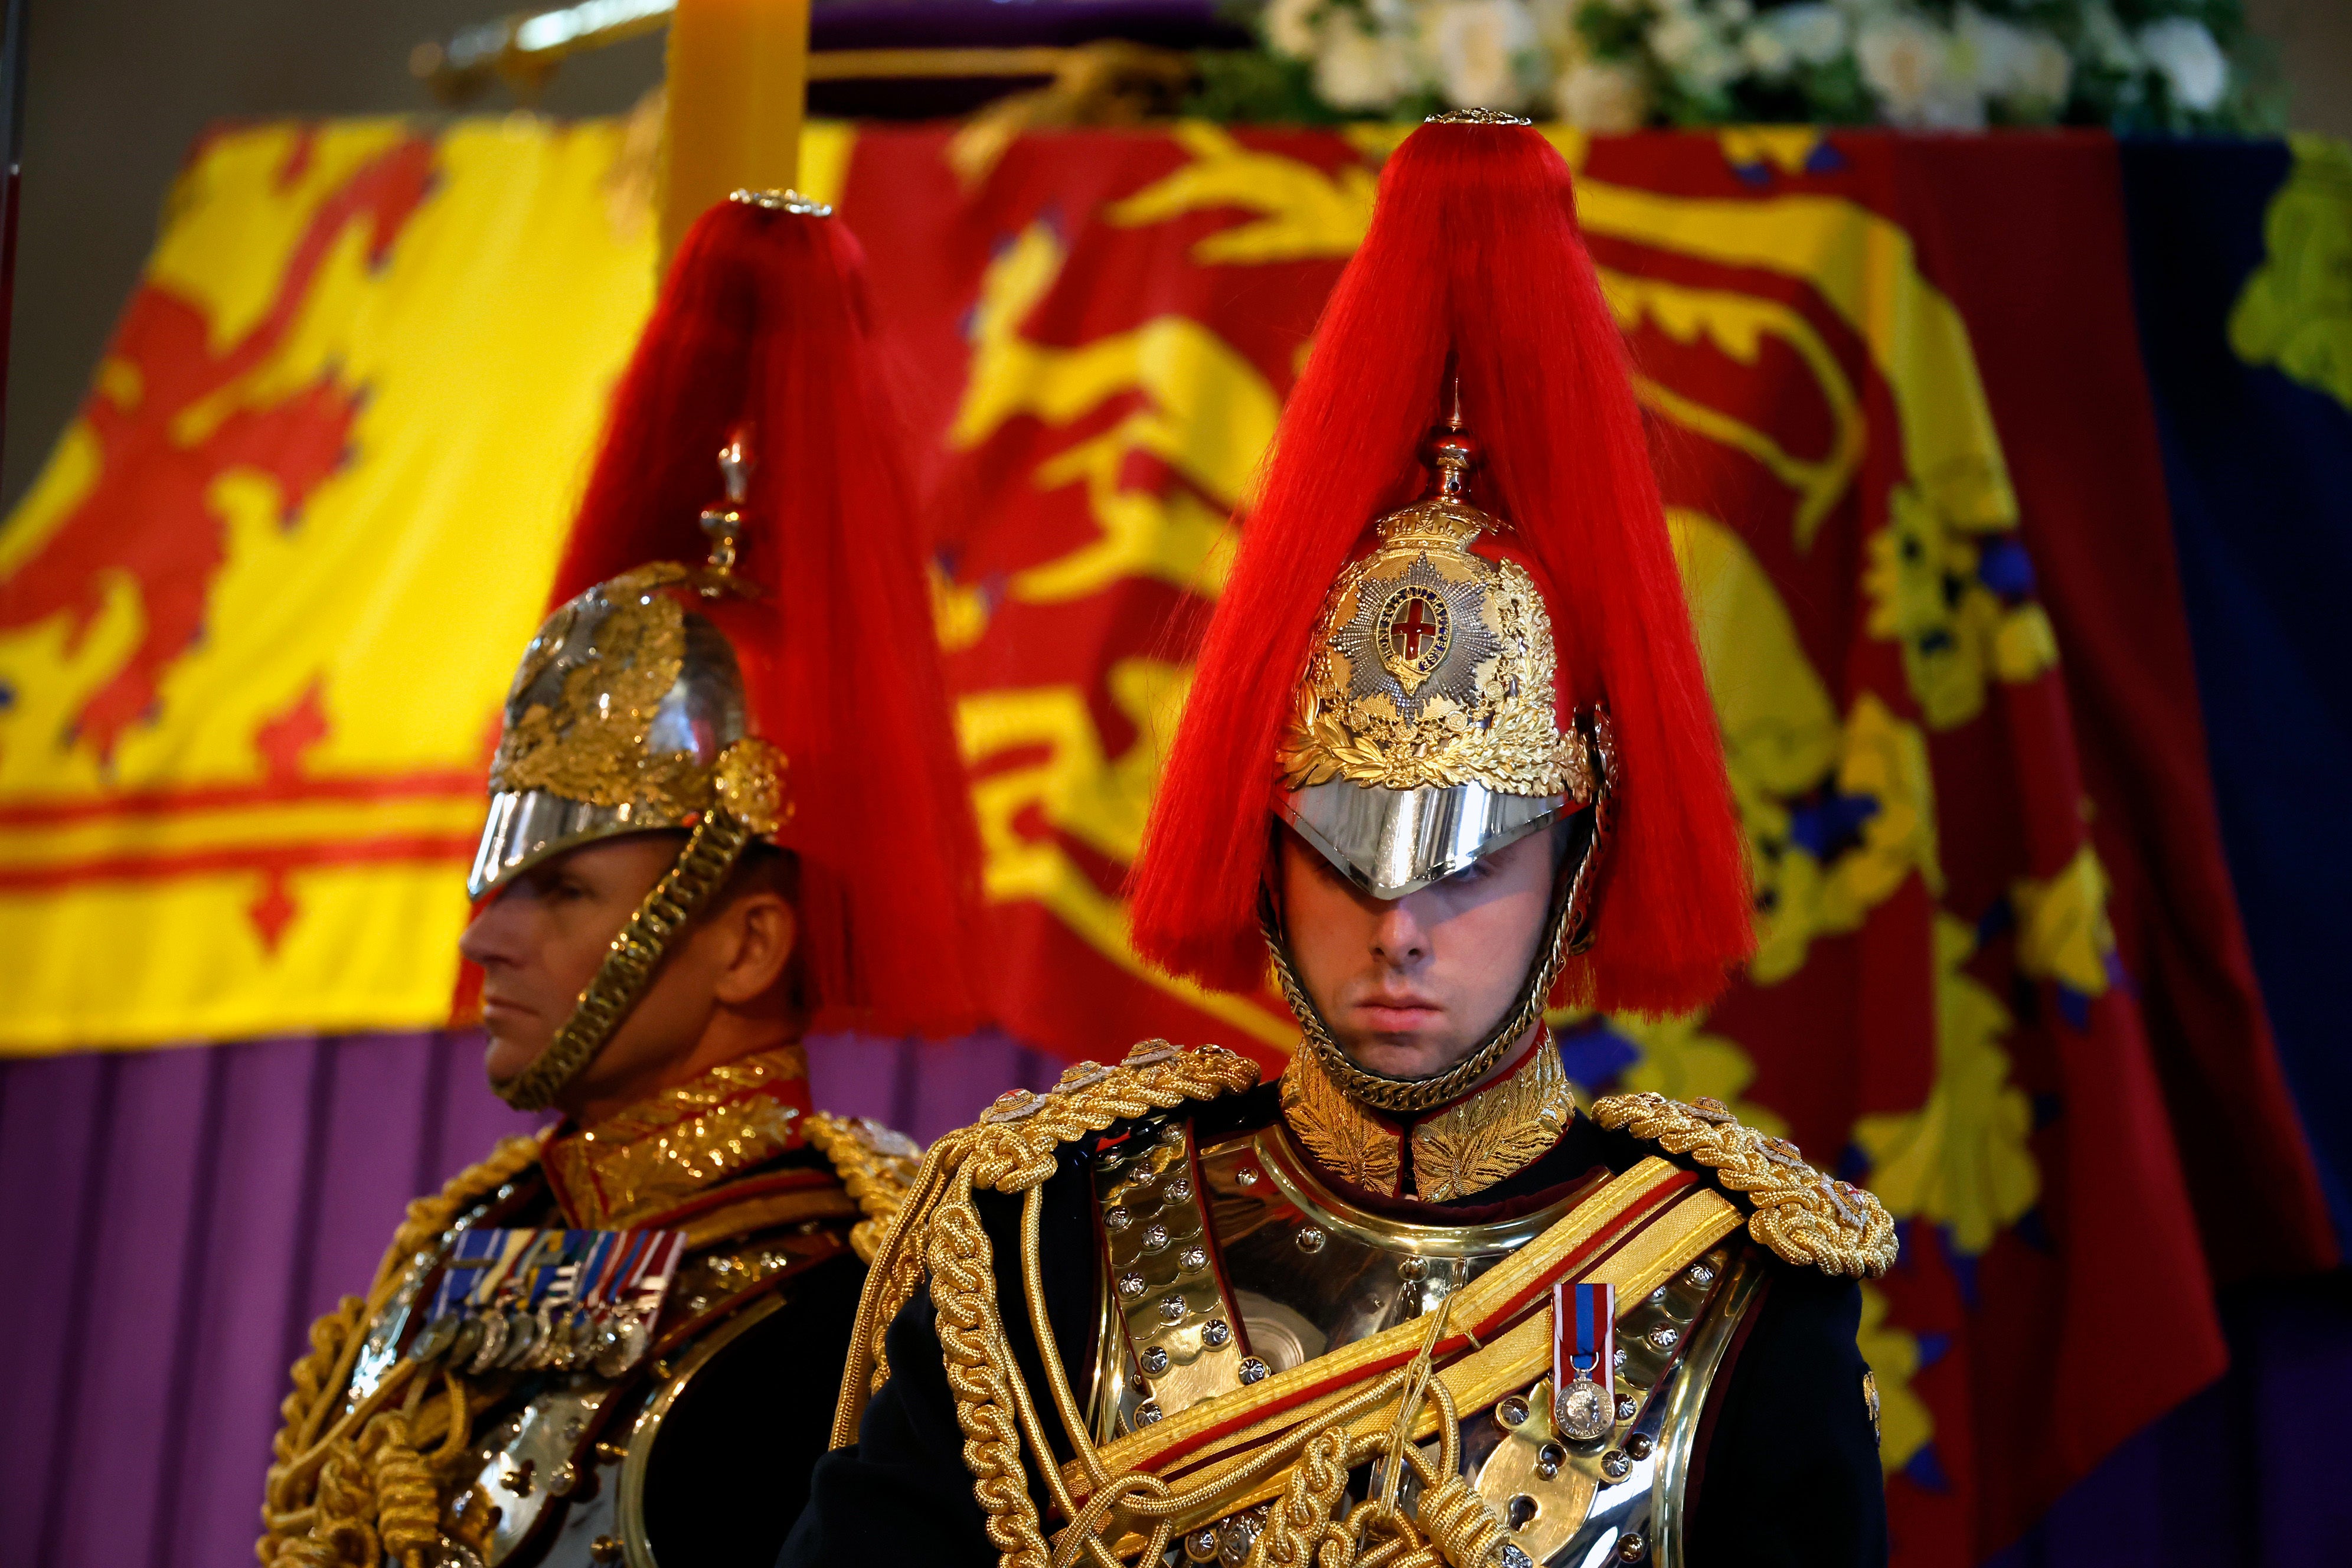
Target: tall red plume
763,324
1474,250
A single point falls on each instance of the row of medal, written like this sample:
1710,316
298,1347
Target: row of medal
549,1301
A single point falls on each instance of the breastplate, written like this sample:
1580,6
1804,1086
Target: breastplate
1228,1262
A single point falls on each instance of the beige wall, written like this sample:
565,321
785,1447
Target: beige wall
120,88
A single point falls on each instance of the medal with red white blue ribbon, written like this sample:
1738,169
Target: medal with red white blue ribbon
1584,1360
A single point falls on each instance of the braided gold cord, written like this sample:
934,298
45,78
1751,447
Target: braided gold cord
407,1499
876,1179
1805,1216
980,1372
1013,1148
321,1499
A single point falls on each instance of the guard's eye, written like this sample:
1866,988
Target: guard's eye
1475,872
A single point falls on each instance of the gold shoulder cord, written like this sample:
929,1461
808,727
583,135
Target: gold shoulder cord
875,1178
362,1491
1804,1215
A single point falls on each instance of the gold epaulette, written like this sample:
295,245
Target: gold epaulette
1014,1148
1803,1215
876,1163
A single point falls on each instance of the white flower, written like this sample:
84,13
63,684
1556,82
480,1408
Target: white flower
1769,54
1358,68
1601,97
1986,51
1555,23
2104,42
1678,36
1814,34
1293,28
2043,73
2192,65
1482,52
1909,64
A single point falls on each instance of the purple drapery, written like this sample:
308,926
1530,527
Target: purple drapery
171,1221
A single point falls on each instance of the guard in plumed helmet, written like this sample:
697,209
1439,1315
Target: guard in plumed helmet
1448,758
725,810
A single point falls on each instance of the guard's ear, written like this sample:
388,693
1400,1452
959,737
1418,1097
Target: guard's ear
761,929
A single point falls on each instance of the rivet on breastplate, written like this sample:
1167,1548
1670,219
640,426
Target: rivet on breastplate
1116,1220
1701,1274
1171,1308
560,1483
1172,1134
1659,1294
1626,1408
1155,1362
1549,1459
604,1549
1629,1546
1147,1413
1515,1558
1639,1445
1130,1284
1254,1370
1511,1414
1216,1334
1247,1177
1665,1337
1615,1465
1412,1267
1155,1237
1201,1546
1179,1190
1193,1257
1310,1238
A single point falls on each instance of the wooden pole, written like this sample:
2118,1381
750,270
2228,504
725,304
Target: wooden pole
738,89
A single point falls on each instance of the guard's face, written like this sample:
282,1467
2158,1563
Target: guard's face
1410,986
542,939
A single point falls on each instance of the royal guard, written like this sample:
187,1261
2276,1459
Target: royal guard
1448,758
725,810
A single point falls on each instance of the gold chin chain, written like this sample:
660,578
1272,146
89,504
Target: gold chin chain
710,853
1571,932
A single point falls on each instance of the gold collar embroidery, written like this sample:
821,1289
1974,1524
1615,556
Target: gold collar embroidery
667,1147
1457,1150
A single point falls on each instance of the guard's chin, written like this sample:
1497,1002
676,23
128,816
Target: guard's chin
1392,1056
509,1055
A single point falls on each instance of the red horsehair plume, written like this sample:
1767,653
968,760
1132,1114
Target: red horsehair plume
763,325
1474,255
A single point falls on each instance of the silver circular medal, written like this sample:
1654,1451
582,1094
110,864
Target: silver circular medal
493,1342
465,1340
1583,1411
622,1342
551,1338
437,1337
522,1334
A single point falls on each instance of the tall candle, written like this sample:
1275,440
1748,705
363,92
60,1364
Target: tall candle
738,87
